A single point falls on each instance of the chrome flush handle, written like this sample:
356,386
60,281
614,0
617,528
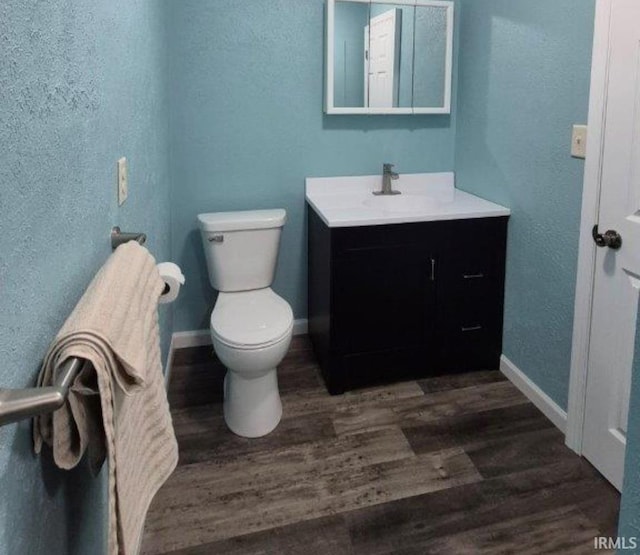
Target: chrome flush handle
216,239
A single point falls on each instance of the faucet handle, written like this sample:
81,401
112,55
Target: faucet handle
387,168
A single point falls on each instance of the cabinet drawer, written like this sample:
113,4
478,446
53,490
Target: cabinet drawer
475,251
353,239
472,302
471,280
472,344
475,269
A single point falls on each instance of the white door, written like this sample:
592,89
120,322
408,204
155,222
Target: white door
383,68
617,272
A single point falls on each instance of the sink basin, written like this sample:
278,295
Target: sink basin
401,203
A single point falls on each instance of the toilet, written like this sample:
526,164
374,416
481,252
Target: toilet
251,326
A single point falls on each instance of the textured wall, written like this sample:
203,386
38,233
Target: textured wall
524,70
247,128
82,84
630,510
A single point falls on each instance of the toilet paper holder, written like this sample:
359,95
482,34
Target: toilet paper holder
119,237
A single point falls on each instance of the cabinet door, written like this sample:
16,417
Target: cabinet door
384,299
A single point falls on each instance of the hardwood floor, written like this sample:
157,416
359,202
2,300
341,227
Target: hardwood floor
453,465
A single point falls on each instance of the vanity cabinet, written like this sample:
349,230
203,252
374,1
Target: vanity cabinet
402,301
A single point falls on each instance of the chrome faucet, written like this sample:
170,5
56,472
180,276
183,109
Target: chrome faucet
387,175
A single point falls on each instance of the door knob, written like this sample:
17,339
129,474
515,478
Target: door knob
610,238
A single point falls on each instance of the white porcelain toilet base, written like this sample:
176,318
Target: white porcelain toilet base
252,407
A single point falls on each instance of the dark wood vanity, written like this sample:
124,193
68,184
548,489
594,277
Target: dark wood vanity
404,301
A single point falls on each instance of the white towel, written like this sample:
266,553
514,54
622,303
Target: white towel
117,406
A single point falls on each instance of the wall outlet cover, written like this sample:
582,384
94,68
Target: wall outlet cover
579,141
123,181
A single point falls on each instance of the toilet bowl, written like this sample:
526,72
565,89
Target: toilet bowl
251,326
251,333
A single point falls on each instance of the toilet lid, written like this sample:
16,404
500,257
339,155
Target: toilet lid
251,318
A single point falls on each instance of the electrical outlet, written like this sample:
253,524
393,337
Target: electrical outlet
579,141
123,181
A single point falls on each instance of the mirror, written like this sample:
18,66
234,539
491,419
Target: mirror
388,57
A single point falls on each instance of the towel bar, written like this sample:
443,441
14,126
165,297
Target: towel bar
120,237
19,404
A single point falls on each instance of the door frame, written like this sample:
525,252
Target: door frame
585,280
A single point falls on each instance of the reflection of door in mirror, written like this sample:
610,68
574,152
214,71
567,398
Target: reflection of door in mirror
382,64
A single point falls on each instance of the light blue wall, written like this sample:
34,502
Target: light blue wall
630,510
82,84
524,70
247,128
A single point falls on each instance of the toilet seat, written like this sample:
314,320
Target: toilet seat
251,319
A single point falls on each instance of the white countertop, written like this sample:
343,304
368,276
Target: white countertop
426,197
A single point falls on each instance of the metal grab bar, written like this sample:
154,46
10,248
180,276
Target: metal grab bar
19,404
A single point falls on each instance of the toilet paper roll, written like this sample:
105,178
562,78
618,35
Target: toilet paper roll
173,279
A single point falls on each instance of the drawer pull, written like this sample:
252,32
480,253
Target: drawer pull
473,276
433,269
473,328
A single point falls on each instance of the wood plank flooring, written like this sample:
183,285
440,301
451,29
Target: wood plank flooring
453,465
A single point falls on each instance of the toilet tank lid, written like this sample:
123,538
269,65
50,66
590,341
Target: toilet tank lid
242,220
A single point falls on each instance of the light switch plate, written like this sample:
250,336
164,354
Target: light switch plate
123,181
579,141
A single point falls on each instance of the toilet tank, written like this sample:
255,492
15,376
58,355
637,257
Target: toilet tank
241,248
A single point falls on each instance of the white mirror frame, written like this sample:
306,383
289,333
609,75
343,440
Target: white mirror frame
329,106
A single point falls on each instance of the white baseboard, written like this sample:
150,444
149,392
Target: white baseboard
183,340
200,338
538,397
301,326
195,338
